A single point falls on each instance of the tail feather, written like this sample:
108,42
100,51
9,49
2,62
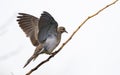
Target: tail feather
38,51
29,60
34,56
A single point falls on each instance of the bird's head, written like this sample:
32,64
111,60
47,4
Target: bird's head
62,30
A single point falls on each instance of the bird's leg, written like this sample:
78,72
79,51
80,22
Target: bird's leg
47,52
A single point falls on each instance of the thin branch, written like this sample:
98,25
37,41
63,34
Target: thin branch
35,68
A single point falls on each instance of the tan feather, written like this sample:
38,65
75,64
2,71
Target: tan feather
29,24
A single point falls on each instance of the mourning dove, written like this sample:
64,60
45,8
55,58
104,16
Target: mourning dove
43,32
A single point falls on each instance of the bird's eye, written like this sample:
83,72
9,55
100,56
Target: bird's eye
63,29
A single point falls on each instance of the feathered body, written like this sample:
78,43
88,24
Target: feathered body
44,33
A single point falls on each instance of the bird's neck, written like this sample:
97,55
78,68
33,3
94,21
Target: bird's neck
59,36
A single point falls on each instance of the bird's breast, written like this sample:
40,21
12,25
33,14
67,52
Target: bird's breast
51,43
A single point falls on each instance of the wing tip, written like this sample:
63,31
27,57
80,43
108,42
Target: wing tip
22,13
47,14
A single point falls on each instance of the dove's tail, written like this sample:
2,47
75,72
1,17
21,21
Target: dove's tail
34,56
29,60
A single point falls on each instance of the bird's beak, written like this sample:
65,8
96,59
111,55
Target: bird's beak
66,31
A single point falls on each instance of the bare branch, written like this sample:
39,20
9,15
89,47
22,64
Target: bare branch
35,68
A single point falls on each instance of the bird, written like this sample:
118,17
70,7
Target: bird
43,32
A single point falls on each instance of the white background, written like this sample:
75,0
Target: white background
94,50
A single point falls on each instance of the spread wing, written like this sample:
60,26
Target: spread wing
47,26
29,24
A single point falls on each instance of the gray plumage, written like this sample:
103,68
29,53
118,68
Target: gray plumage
44,33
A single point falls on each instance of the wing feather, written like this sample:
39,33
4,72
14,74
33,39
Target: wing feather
29,24
47,26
